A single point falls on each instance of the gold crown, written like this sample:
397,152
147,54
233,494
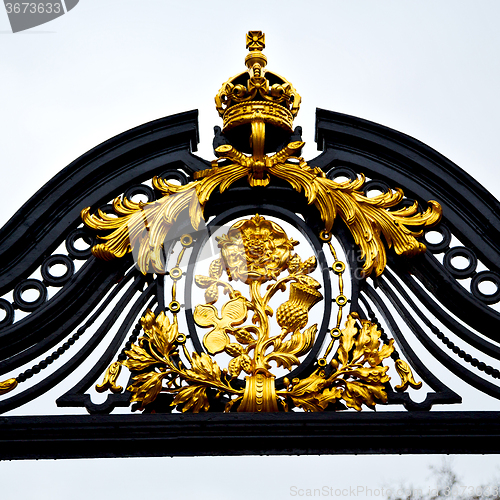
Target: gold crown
257,93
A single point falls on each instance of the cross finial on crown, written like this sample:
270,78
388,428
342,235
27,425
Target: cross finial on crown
256,40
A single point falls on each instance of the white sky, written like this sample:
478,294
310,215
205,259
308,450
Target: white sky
426,68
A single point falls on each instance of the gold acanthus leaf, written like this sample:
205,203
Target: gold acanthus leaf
142,228
287,354
366,218
358,376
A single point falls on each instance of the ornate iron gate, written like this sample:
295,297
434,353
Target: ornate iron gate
256,303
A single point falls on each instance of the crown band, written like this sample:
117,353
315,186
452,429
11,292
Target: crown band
269,112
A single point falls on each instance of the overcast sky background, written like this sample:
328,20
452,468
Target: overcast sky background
426,68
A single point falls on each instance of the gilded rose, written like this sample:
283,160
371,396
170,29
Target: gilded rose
255,249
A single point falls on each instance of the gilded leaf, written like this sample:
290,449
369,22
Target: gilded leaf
294,264
331,395
406,375
147,321
283,359
138,359
212,294
234,312
215,269
307,403
206,315
346,340
376,357
307,280
367,218
234,366
205,367
246,363
309,265
192,397
234,349
310,385
372,375
364,340
164,334
216,341
203,281
357,393
243,336
110,378
146,387
299,344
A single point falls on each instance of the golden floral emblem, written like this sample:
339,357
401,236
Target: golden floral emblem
256,251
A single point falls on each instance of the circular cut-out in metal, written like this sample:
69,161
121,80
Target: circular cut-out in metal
175,175
341,300
53,260
338,266
443,244
325,236
176,273
456,272
174,306
78,253
140,189
338,172
376,186
31,284
186,240
9,313
480,278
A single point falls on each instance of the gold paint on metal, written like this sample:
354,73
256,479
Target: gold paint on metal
406,375
259,100
186,240
368,219
174,306
110,377
325,236
8,385
257,251
339,266
142,227
341,300
175,273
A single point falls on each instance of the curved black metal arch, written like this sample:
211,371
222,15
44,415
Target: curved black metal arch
91,180
400,160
